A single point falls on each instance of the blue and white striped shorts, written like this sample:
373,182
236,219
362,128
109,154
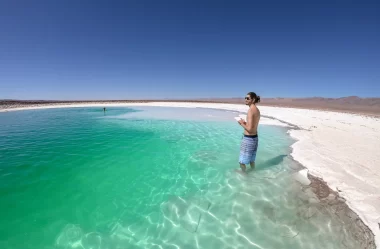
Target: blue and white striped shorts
248,149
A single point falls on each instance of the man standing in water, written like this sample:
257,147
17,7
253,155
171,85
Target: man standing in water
249,143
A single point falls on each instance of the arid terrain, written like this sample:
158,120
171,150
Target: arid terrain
352,104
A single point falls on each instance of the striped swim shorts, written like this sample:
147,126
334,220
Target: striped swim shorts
248,149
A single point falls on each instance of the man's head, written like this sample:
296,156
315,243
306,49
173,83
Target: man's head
251,98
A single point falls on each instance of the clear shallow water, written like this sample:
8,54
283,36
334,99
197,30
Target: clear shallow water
151,178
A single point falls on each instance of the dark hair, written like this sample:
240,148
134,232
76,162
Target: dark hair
254,96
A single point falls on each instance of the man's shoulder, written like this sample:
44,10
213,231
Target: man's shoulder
254,109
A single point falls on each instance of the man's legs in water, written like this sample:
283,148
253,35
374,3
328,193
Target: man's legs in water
252,165
243,167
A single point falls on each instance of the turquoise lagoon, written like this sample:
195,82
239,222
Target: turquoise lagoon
151,177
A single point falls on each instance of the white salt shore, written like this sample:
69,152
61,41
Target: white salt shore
341,148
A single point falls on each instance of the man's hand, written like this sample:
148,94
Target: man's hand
241,121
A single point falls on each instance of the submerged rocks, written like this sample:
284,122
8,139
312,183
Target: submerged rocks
319,187
331,197
313,200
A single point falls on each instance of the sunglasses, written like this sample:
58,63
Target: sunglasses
247,98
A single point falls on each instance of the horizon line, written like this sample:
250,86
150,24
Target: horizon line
189,99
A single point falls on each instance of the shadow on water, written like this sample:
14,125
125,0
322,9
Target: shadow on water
270,163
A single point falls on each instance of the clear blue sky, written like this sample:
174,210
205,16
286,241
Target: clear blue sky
184,49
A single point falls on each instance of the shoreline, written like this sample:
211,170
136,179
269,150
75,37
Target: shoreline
329,200
332,202
321,137
354,110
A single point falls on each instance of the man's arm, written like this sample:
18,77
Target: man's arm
249,125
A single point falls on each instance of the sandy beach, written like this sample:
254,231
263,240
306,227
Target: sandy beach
340,148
